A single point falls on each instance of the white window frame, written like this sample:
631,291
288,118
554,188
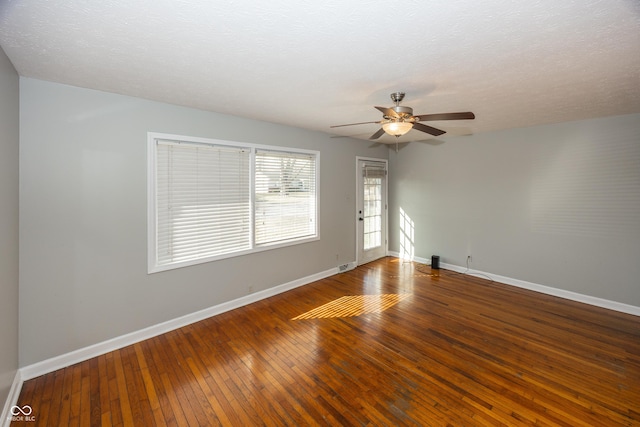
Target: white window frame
153,137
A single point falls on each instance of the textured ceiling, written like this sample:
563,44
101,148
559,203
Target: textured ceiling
314,64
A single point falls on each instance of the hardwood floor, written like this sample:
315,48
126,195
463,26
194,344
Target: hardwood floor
417,350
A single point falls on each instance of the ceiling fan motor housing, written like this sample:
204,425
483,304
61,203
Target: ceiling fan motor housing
403,112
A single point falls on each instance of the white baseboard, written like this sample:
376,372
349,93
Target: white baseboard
573,296
12,399
80,355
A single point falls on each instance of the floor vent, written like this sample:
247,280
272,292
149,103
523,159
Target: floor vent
342,268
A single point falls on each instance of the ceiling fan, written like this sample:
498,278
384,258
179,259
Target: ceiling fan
399,120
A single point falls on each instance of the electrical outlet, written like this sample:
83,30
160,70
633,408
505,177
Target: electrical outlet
468,258
250,289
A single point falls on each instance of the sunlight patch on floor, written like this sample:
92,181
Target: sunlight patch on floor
353,305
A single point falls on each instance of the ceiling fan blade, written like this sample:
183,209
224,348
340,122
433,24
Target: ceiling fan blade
387,112
428,129
468,115
377,134
353,124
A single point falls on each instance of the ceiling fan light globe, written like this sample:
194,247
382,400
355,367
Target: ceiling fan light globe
397,128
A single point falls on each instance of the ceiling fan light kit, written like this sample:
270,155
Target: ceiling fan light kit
398,120
397,128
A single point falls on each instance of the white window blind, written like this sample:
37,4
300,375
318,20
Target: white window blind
203,201
210,199
285,199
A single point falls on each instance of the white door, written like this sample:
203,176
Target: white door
371,210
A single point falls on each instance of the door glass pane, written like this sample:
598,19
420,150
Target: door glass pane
372,212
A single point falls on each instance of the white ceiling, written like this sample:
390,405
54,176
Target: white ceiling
314,64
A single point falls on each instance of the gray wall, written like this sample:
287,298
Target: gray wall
83,217
9,149
555,205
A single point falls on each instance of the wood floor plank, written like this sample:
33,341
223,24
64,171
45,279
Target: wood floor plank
447,350
76,396
122,392
103,391
85,401
154,402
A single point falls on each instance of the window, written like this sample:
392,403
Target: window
202,201
286,203
215,199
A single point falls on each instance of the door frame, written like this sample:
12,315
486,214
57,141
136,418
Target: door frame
359,200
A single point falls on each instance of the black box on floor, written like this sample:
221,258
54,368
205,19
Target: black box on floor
435,262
